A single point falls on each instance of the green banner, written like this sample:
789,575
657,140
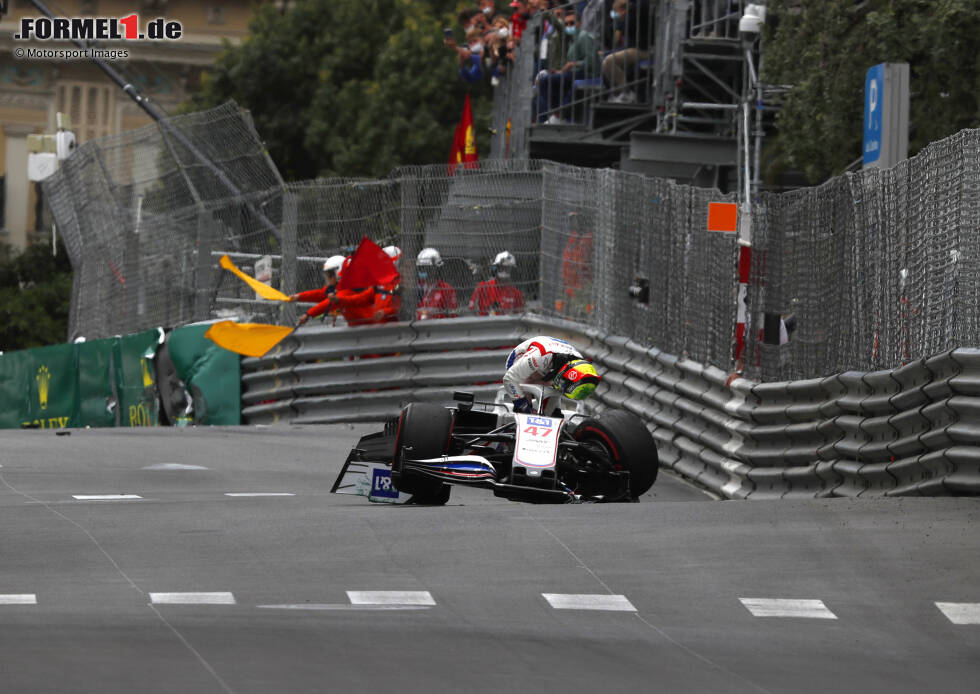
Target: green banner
94,405
101,383
139,405
212,375
51,387
15,389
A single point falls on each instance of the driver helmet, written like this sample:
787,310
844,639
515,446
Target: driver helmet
577,379
502,264
334,264
428,259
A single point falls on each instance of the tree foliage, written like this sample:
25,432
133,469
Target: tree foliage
348,87
35,290
824,49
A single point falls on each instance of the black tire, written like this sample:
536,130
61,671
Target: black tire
425,428
628,443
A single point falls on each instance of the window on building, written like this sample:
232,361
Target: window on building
92,108
88,7
216,15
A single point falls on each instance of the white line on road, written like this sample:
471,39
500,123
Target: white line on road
105,497
776,607
192,598
601,601
260,494
961,612
390,597
18,599
346,608
174,466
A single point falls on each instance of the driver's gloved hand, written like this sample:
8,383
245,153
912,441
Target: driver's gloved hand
523,406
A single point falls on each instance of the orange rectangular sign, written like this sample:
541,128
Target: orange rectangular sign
723,216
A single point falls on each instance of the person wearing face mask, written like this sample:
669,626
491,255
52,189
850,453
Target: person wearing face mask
470,56
498,296
633,20
437,298
582,63
488,8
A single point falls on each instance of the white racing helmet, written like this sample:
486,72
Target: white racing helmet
503,263
334,264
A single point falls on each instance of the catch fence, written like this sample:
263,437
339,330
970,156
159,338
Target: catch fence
873,270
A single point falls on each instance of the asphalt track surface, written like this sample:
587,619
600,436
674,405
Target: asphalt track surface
315,592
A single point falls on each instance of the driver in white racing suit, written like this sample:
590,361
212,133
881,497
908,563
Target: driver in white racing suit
550,362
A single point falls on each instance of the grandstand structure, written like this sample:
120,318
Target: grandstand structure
696,113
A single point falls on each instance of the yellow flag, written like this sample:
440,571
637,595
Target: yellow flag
248,339
264,290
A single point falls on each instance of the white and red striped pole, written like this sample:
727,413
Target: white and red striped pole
724,217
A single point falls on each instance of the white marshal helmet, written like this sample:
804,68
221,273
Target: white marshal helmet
334,264
429,257
502,264
393,252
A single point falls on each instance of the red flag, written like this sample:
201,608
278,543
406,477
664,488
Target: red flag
470,157
464,141
456,154
368,266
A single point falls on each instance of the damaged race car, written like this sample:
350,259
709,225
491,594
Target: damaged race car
561,457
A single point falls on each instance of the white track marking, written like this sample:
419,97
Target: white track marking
18,599
174,466
342,608
777,607
260,494
599,601
192,598
961,612
105,497
390,597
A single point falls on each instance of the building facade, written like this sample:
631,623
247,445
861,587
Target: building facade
33,90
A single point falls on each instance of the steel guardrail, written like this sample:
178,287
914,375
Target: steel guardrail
914,430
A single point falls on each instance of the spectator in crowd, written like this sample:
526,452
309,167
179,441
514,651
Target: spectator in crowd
617,21
556,41
437,299
593,13
470,57
582,63
636,18
518,20
498,295
495,54
488,8
469,18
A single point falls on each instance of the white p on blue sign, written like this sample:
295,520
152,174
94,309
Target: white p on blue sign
874,90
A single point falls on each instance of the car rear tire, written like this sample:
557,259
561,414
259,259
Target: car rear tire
425,428
629,444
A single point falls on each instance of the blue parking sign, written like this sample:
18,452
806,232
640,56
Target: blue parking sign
874,90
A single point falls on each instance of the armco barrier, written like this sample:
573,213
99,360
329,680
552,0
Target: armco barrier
911,431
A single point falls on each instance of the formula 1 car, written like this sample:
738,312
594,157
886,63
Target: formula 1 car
565,456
